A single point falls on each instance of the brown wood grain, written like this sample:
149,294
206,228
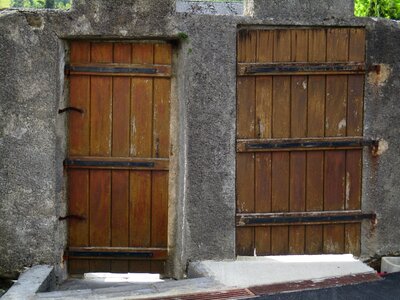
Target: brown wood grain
142,53
336,105
161,115
140,209
120,209
263,121
78,205
355,105
141,117
246,107
337,44
247,41
265,45
357,44
162,54
159,209
121,104
315,128
353,239
100,208
263,201
79,98
101,103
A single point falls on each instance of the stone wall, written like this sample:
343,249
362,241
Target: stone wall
33,50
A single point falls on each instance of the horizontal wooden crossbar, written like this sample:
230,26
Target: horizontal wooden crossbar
295,68
116,163
116,253
302,218
119,70
267,145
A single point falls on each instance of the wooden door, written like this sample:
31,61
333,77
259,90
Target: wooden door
118,156
299,140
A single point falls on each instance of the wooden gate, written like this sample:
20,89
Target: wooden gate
299,140
118,156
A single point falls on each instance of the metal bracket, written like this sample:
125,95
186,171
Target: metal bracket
76,217
70,108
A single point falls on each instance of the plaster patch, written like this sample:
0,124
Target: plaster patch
380,76
14,129
383,146
342,124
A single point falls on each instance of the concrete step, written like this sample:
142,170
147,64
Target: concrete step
254,271
139,291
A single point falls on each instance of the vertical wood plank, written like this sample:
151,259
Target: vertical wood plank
141,117
298,122
263,201
336,105
315,199
315,128
245,201
120,216
355,105
334,192
162,54
159,209
280,200
142,53
263,107
353,199
337,44
157,267
78,180
101,103
281,129
78,191
102,52
297,200
139,266
100,221
100,215
161,112
79,97
265,46
121,104
140,209
353,239
262,235
246,109
357,45
247,46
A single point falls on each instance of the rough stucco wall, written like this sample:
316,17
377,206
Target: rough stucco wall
382,173
30,156
210,89
32,134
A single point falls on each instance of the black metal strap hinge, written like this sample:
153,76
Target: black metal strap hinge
70,108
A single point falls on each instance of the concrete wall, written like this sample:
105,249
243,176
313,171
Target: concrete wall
202,210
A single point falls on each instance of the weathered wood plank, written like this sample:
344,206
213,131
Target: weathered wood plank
140,209
159,209
161,113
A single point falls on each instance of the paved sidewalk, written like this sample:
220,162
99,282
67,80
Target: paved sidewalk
386,289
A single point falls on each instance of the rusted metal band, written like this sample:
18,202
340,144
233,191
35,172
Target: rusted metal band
106,164
112,69
254,69
303,144
271,219
95,254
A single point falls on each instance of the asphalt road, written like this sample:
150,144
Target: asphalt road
386,289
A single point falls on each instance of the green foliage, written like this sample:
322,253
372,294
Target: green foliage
60,4
389,9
